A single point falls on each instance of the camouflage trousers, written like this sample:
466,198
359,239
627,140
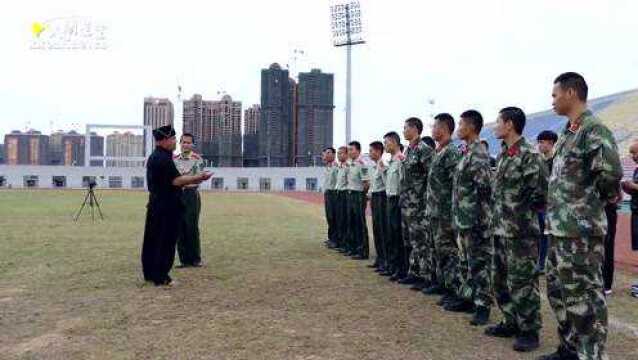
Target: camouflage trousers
413,217
575,292
475,256
427,261
445,253
515,282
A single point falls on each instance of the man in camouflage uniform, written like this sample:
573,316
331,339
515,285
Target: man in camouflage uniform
415,168
585,176
439,209
471,209
358,183
378,200
519,190
397,254
341,188
188,243
330,194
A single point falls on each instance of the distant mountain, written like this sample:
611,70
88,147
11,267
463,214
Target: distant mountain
618,111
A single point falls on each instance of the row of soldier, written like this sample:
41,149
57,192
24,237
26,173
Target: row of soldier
448,223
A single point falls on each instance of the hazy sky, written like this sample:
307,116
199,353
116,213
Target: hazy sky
463,54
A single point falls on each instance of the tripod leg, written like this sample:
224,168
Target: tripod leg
99,210
92,208
86,197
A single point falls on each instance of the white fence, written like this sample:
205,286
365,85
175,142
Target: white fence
224,179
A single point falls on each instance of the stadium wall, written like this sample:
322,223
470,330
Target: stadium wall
224,179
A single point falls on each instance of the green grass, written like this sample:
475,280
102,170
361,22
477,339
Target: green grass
269,290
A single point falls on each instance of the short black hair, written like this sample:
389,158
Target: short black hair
475,118
547,135
487,145
415,122
356,144
446,119
514,115
377,145
330,148
575,81
187,135
429,141
393,136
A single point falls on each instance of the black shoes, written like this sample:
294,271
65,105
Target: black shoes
396,277
408,280
433,289
560,354
419,285
526,342
459,305
481,316
501,330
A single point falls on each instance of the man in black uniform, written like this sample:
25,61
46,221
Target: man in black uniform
164,207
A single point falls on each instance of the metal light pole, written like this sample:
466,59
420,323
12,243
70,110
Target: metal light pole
347,31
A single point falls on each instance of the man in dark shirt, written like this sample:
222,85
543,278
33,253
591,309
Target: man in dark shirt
164,207
546,141
631,187
486,146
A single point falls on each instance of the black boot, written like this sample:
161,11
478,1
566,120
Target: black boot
408,280
526,342
433,289
459,305
448,297
419,285
481,316
560,354
397,276
501,330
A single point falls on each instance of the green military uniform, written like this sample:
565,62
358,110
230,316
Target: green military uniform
188,243
439,214
471,209
358,229
330,199
397,256
585,176
519,190
378,207
341,188
414,180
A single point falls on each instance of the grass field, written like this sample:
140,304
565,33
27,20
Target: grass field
269,290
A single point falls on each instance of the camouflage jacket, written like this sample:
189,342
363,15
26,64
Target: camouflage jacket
519,190
189,163
585,176
472,190
414,174
440,180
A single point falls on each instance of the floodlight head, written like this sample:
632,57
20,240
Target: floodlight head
346,24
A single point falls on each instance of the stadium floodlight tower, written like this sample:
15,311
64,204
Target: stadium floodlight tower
347,31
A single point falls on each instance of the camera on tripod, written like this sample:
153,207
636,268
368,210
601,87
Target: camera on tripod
90,200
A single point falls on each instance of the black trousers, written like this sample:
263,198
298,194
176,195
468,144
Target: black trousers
610,240
357,227
379,226
160,237
341,220
330,204
634,230
397,253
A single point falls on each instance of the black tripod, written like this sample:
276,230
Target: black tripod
93,203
